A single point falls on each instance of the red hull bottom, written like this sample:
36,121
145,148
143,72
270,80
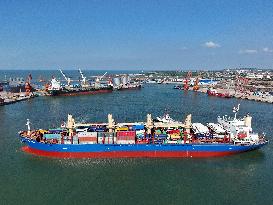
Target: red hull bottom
86,93
126,154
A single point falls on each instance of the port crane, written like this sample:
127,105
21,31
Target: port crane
27,85
186,81
196,84
66,78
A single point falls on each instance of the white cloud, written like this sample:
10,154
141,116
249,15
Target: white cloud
248,51
211,44
267,50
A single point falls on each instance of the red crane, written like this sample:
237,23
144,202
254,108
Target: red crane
186,81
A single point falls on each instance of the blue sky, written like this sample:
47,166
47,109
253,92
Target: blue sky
138,34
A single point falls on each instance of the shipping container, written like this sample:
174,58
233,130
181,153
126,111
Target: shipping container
174,132
109,140
122,129
126,141
96,129
175,136
106,134
138,127
161,136
55,131
87,134
93,139
126,133
126,137
52,136
87,142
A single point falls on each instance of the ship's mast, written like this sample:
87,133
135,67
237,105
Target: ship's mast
236,110
28,127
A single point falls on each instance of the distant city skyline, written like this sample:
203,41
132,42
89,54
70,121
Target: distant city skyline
136,35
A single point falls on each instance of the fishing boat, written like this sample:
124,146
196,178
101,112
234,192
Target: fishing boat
144,139
84,88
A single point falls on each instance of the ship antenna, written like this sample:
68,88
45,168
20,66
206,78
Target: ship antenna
28,126
236,110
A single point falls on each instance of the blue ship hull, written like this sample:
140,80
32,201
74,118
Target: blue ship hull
135,150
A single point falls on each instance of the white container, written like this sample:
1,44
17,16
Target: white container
126,142
87,134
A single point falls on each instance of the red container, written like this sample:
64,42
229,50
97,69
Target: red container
87,139
126,135
174,132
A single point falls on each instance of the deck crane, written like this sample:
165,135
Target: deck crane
84,82
66,78
98,79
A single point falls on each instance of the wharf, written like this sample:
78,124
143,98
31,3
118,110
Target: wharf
241,95
11,98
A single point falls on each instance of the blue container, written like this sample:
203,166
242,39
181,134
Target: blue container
138,127
161,136
95,129
52,136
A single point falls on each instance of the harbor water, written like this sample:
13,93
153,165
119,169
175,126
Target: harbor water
26,179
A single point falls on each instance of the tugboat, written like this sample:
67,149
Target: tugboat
167,138
85,88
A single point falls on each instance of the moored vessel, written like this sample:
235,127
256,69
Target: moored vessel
84,88
161,138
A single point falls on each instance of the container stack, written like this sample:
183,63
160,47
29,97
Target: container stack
126,137
174,134
106,138
52,136
87,137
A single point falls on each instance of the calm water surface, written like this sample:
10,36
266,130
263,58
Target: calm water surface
25,179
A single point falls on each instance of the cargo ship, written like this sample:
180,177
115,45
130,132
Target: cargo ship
84,88
159,138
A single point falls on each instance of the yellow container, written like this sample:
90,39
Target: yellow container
122,129
175,136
